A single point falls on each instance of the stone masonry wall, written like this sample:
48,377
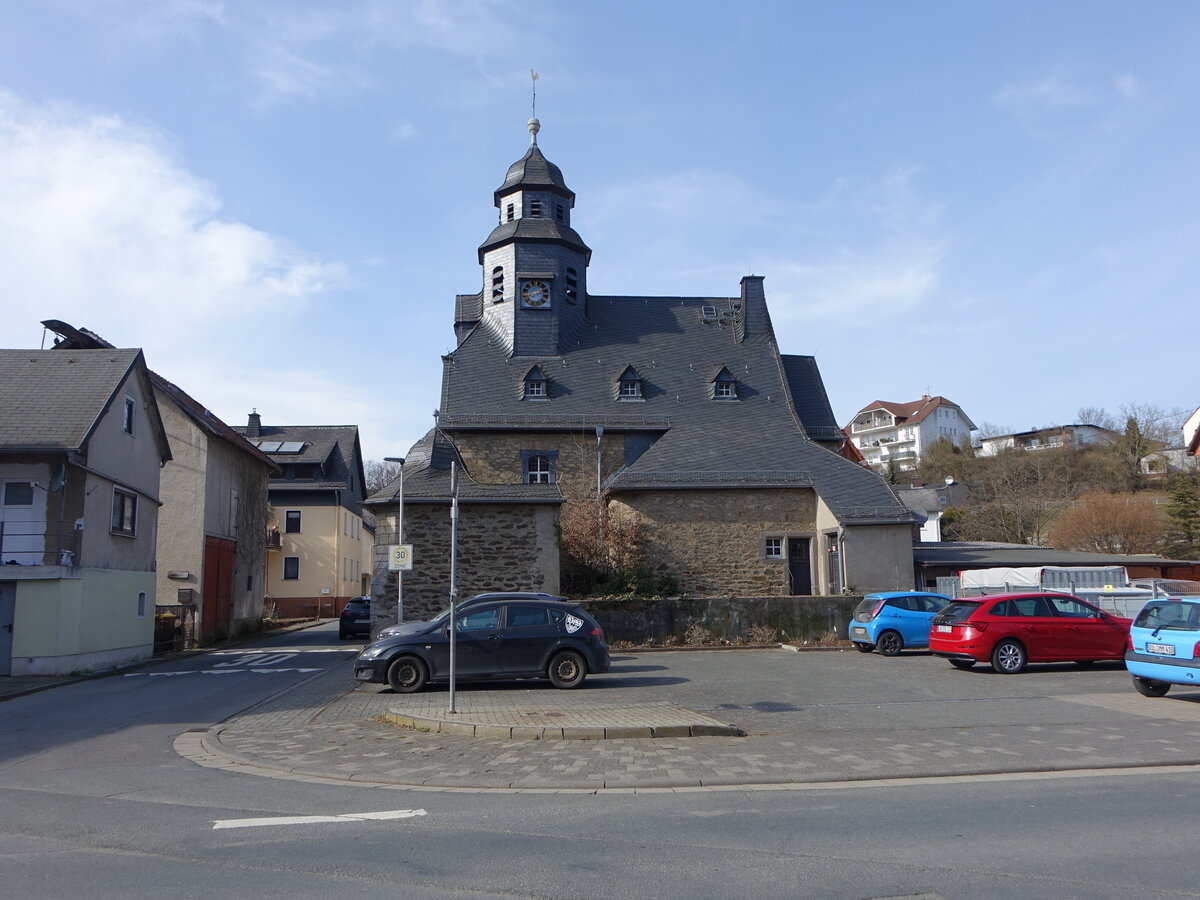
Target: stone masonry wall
496,458
501,547
712,542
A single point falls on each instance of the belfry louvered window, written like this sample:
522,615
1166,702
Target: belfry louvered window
497,284
572,285
535,208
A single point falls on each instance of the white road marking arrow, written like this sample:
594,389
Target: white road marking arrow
313,820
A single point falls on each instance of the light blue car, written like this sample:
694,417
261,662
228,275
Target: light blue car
1165,646
892,621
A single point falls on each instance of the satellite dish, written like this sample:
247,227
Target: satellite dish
949,479
58,479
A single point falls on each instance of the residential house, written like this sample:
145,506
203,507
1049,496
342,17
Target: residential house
898,435
679,414
319,551
212,527
929,503
1191,433
82,445
1054,437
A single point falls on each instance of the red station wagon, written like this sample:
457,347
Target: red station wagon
1011,630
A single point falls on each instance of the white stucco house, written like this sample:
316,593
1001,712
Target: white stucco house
901,433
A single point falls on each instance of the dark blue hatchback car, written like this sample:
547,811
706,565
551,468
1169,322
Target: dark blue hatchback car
523,638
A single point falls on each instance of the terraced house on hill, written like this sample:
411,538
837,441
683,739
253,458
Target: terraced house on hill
678,413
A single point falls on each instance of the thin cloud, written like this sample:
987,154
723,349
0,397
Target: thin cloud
1050,92
102,227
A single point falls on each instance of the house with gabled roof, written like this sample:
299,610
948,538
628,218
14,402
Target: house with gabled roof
213,520
81,448
897,435
319,546
679,414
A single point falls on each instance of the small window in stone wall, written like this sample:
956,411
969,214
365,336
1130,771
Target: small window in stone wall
538,466
774,548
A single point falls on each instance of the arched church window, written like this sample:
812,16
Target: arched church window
539,471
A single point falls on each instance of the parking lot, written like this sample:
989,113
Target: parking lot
809,717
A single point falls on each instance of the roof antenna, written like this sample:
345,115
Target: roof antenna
534,124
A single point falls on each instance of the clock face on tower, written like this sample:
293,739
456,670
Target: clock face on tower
535,294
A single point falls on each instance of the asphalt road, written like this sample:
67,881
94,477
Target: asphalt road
96,803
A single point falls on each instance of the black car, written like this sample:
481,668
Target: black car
462,606
519,638
355,620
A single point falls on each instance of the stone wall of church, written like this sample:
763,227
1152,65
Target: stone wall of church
501,547
496,458
713,542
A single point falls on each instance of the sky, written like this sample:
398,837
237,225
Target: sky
996,202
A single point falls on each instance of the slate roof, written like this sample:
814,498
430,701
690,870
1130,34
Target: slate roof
757,440
335,447
207,421
52,400
427,479
532,229
534,171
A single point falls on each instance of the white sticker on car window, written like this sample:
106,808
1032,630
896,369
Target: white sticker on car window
574,623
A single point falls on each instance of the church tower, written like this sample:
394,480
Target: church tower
534,294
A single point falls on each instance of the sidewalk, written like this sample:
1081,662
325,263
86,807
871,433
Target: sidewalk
329,730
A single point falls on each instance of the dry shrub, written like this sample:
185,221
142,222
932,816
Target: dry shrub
1110,523
696,634
762,634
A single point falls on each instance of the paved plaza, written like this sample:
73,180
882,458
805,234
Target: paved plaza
807,718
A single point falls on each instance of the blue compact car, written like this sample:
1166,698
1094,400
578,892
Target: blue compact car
892,621
1165,646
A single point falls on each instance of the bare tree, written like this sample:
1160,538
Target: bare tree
379,474
1015,496
1098,416
1110,523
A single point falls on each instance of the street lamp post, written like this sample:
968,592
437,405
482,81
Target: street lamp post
399,497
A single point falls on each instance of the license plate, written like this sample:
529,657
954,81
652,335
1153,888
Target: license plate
860,632
1161,649
944,629
362,621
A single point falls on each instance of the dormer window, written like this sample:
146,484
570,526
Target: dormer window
536,387
535,208
497,284
629,385
724,386
510,213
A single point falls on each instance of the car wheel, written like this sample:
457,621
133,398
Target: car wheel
962,663
1148,688
342,635
1009,657
567,670
889,643
863,648
407,674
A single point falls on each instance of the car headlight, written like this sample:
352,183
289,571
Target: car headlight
373,651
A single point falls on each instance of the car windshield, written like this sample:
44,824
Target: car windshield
957,611
1169,615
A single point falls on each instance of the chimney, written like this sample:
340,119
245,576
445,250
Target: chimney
753,304
254,425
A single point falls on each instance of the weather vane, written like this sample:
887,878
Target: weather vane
533,109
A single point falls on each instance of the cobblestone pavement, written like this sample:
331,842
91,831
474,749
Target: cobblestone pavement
808,717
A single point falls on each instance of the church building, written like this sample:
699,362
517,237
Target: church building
679,414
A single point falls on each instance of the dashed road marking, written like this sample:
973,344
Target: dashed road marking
386,815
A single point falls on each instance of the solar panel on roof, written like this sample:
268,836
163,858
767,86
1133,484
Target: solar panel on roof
291,447
269,446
